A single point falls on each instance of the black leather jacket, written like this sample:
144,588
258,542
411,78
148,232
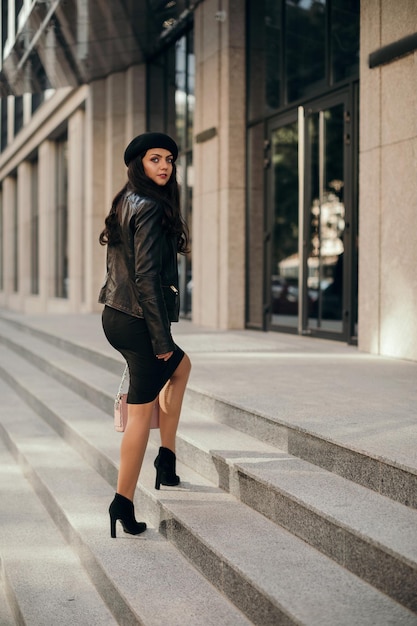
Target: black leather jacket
142,271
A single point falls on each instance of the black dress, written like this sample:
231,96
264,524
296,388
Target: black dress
129,335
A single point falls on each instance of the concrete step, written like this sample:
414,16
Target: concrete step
383,474
6,616
318,507
373,471
369,534
44,580
270,575
143,580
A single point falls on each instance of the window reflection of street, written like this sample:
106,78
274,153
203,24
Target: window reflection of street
324,267
284,278
323,207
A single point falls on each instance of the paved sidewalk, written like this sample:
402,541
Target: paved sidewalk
328,388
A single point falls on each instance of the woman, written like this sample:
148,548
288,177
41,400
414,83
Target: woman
143,232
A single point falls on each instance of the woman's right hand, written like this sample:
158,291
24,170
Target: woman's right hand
165,356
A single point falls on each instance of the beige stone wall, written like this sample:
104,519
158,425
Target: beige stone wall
388,185
219,165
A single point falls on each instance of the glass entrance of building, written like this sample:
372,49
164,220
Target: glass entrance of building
310,284
283,218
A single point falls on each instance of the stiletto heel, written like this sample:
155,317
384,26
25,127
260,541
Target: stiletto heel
122,509
165,468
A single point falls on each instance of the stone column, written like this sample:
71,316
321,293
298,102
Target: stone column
95,189
388,185
219,163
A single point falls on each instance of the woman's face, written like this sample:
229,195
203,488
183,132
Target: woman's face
158,165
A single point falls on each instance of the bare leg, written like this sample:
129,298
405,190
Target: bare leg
136,435
133,447
170,401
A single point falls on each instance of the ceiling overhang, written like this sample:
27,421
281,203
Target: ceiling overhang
72,42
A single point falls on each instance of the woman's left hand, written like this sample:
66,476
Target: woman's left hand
165,356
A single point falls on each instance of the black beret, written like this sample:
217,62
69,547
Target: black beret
146,141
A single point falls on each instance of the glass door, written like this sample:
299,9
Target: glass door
310,283
282,226
327,142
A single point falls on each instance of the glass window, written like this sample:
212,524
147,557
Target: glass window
181,90
4,23
4,118
305,37
318,39
17,6
273,54
264,19
15,238
61,220
285,292
18,114
34,231
345,39
156,94
190,89
161,109
326,219
170,95
184,94
37,99
171,79
186,180
255,226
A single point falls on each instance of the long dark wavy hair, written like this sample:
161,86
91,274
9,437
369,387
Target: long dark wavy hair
167,196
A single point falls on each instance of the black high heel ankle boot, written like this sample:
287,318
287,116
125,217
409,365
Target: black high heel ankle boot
165,468
122,509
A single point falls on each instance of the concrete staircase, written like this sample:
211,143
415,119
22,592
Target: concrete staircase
255,533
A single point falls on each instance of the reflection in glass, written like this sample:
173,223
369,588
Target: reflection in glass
184,91
157,101
3,124
273,39
61,219
34,229
297,48
285,260
305,47
185,174
264,19
190,89
181,90
15,235
18,114
345,39
255,226
326,219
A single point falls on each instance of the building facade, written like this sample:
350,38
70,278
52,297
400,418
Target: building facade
297,127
